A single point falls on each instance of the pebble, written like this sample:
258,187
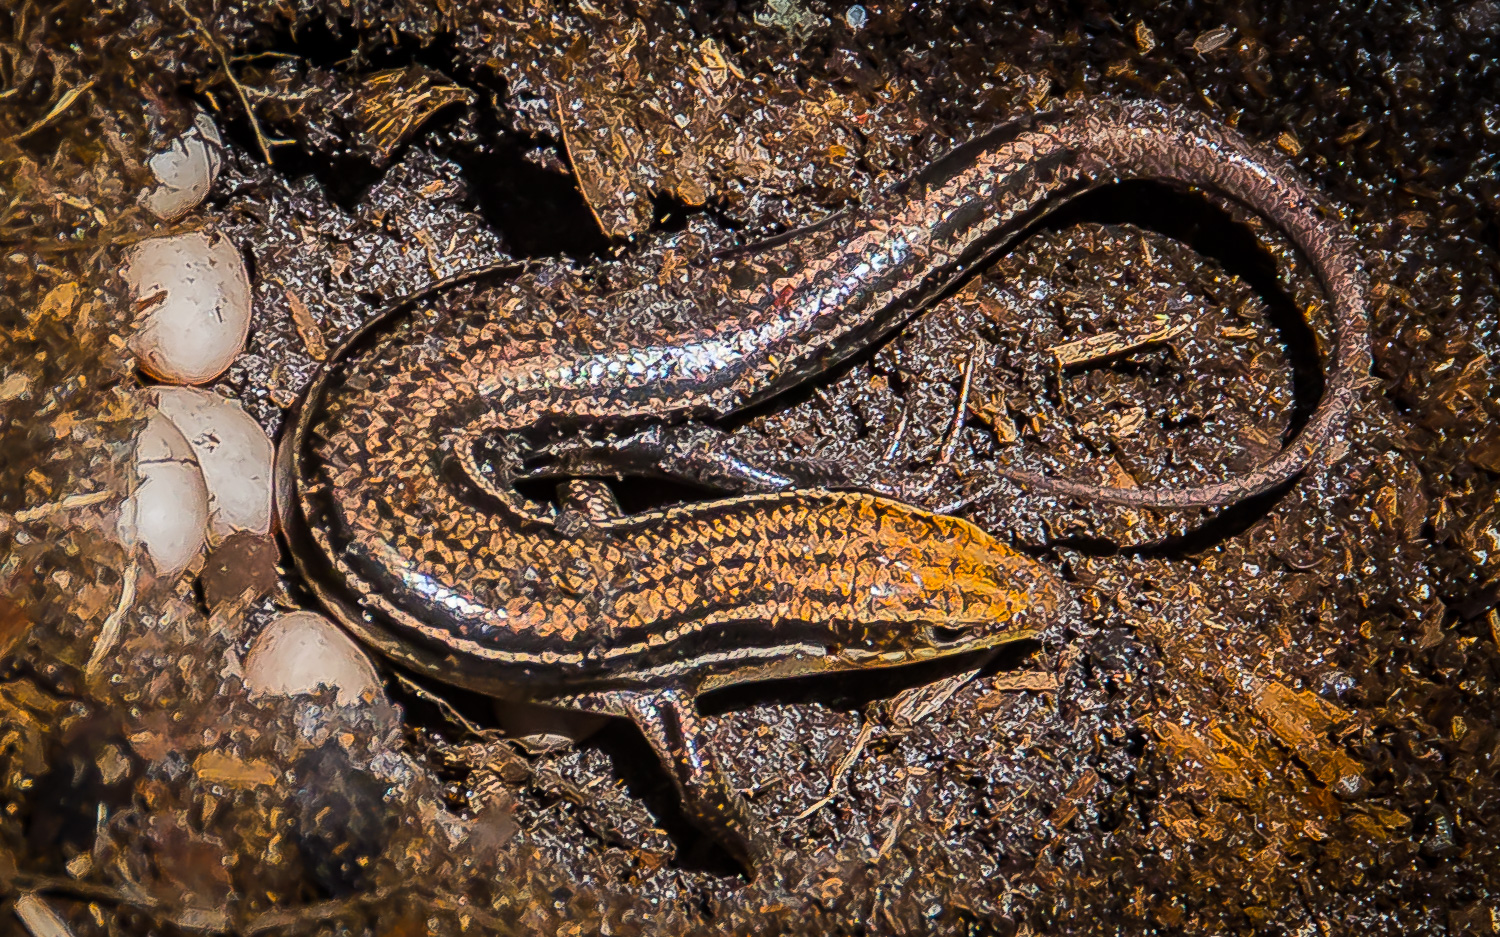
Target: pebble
545,728
234,453
167,510
194,295
186,170
301,652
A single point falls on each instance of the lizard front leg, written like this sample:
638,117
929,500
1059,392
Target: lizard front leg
670,721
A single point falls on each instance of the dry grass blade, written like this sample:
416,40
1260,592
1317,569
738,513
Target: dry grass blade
110,633
841,773
63,103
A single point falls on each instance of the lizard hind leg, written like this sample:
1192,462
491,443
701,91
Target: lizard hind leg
671,723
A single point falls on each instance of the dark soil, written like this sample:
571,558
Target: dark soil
1280,719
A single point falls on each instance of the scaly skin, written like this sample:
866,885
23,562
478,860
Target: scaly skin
404,519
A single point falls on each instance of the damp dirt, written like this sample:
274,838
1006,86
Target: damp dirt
1275,719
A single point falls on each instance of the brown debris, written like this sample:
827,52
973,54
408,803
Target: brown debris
1002,685
307,326
226,768
1485,454
1218,762
390,106
605,148
1108,344
240,570
1301,721
14,624
1076,795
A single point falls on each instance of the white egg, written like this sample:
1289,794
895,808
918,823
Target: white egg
186,170
301,652
234,453
194,296
166,512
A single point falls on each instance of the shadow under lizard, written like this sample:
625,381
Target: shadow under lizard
397,498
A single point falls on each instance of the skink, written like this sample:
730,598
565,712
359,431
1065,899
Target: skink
399,504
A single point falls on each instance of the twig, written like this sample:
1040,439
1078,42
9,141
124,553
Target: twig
70,503
62,104
895,446
913,705
299,918
218,49
841,773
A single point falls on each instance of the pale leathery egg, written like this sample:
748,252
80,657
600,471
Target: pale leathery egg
185,170
302,653
166,513
234,453
193,293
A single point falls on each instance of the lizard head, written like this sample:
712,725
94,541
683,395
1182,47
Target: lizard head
930,586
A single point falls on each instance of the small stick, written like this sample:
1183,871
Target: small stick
959,412
63,104
841,773
260,138
444,706
913,705
895,446
70,503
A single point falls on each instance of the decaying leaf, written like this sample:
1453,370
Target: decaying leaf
392,104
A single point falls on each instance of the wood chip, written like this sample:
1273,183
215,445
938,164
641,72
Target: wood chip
224,768
1077,792
1300,720
1224,765
1002,685
1108,344
307,326
39,918
1145,39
